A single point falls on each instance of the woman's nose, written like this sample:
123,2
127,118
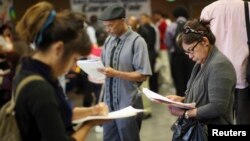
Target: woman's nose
190,55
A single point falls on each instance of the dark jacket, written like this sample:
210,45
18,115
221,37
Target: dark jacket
42,111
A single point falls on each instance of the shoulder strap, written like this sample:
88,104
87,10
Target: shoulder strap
133,48
247,22
19,87
106,42
25,81
104,46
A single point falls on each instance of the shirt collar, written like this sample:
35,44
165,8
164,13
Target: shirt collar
125,35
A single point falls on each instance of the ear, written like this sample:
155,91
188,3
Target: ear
205,41
58,48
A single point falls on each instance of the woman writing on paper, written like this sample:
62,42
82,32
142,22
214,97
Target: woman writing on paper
212,82
42,109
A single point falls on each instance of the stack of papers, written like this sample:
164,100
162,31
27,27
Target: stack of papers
91,67
123,113
156,97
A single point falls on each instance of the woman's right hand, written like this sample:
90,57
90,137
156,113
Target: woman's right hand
100,109
176,98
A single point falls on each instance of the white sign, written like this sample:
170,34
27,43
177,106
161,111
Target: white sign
95,7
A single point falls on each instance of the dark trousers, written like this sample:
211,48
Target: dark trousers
181,68
242,106
88,89
153,79
153,82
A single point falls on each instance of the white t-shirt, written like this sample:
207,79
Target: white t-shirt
229,27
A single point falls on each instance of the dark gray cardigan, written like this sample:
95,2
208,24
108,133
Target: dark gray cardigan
212,88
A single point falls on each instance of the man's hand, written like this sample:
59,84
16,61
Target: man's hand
109,72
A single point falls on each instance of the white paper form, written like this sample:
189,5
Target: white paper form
91,67
123,113
156,97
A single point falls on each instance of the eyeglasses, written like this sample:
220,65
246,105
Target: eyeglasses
191,49
188,30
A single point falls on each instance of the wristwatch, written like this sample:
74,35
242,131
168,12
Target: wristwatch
186,114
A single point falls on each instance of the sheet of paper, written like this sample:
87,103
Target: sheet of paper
123,113
156,97
91,67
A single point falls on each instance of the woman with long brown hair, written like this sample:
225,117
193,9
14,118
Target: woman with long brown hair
42,110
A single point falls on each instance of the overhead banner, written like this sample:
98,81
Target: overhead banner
95,7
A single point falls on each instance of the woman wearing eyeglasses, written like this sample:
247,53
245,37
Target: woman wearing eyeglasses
212,81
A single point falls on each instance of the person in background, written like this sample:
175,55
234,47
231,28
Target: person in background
228,24
181,66
89,85
125,57
8,62
96,85
5,38
166,17
162,62
150,34
161,23
42,109
101,34
147,31
212,82
133,22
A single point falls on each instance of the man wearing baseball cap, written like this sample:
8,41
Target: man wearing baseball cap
126,61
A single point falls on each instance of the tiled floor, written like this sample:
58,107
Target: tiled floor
156,128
